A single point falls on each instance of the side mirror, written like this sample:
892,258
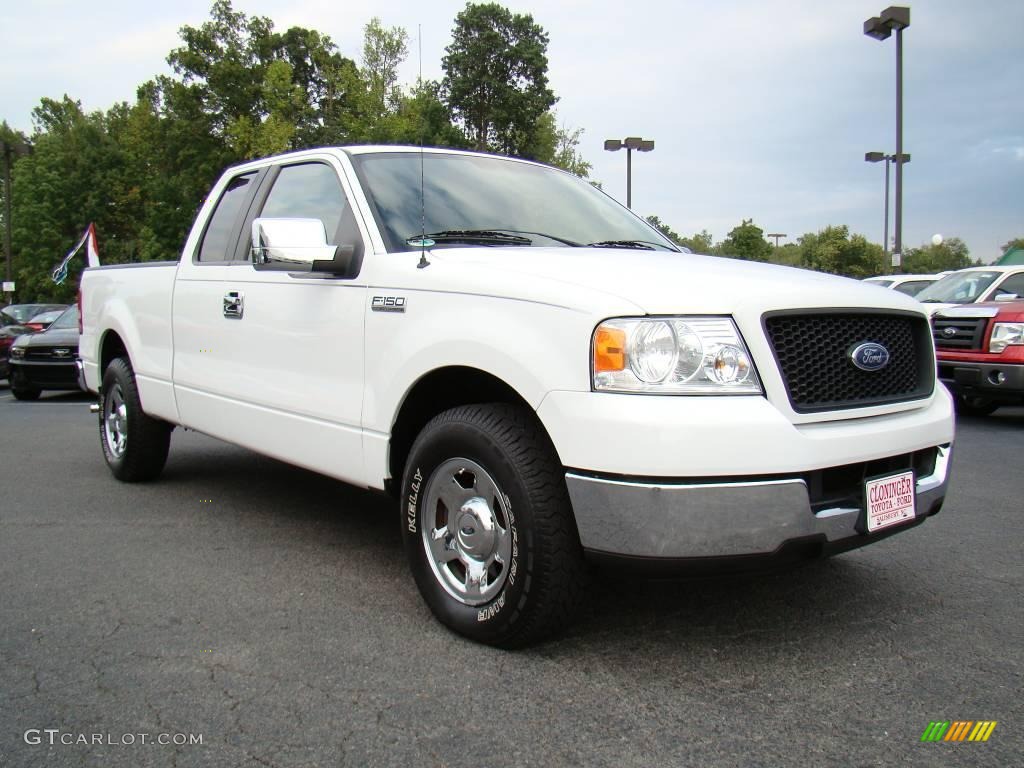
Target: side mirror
297,245
1006,297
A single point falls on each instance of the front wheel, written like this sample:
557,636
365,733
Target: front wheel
488,526
974,405
134,445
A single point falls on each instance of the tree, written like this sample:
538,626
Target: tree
700,243
746,242
834,250
1017,242
495,78
559,146
664,228
951,253
383,51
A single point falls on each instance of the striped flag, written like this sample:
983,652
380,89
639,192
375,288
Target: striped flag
92,254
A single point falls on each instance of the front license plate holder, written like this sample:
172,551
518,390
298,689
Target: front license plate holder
889,500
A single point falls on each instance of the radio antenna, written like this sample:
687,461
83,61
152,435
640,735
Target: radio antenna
423,201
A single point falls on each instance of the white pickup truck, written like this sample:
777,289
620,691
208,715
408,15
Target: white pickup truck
538,376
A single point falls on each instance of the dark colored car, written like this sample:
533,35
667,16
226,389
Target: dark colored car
46,360
8,333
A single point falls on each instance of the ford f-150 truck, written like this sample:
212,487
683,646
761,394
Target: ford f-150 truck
539,377
980,348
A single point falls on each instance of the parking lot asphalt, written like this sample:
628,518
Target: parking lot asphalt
270,610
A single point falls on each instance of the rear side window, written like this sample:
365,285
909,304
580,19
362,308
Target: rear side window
221,233
912,287
307,191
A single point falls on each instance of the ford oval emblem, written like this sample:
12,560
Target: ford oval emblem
870,356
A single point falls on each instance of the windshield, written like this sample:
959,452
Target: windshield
958,288
480,200
23,312
69,319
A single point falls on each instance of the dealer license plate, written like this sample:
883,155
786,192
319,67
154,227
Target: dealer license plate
890,500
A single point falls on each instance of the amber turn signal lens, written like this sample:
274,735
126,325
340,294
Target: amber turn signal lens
609,349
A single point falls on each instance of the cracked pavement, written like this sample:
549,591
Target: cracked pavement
280,622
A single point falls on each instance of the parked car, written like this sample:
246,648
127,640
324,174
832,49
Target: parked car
19,314
46,360
974,285
42,321
537,375
911,285
8,333
980,350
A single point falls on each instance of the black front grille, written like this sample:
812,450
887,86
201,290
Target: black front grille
959,332
48,354
814,356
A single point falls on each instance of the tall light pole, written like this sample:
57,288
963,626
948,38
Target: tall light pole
778,236
895,18
631,143
877,157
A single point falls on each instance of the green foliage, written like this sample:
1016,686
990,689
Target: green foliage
383,51
664,228
559,146
746,242
495,78
1017,242
788,255
834,250
700,243
952,253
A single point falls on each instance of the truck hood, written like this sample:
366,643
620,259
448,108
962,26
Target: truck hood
661,282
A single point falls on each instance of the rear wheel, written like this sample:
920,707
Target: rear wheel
488,527
974,405
134,445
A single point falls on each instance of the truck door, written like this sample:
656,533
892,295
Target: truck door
274,360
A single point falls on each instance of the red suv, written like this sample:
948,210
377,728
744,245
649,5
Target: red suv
980,350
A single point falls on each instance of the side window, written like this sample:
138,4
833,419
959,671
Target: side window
218,239
307,191
1013,284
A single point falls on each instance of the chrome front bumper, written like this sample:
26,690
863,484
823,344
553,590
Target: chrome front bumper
700,520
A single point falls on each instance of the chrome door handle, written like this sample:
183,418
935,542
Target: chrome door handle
234,304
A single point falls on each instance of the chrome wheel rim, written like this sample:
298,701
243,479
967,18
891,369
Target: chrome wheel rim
115,421
466,531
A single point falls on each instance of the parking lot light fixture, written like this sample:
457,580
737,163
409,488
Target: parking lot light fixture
630,143
895,18
877,157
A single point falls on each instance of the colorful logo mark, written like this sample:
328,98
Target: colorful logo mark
959,730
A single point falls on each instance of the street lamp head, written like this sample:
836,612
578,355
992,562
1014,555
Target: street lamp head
646,145
896,17
612,145
633,142
874,157
874,27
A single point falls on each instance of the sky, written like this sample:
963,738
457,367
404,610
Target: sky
759,109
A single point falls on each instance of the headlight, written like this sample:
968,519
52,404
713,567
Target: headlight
1005,335
18,352
672,355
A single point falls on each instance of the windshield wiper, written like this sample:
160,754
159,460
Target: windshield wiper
486,236
642,245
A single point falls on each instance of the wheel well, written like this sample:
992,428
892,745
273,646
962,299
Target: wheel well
111,348
435,393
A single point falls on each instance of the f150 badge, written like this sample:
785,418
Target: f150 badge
388,304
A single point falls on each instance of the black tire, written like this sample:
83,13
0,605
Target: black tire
25,393
543,582
974,405
142,452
